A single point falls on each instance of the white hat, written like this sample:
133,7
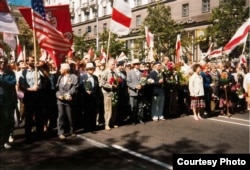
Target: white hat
135,61
89,65
65,66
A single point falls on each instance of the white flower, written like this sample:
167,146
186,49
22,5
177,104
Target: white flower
150,81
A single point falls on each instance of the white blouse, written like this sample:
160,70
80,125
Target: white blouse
196,87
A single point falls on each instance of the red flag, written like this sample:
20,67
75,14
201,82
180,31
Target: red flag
239,37
49,38
58,39
178,48
7,23
121,18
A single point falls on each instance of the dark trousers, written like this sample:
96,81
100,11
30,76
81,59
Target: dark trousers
33,112
63,111
5,123
90,112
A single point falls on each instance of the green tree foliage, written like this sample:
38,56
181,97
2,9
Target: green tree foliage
225,20
116,45
80,45
26,37
163,27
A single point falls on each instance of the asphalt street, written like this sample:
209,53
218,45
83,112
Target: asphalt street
141,146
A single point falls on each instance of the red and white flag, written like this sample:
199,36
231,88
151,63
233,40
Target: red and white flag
7,23
91,52
243,59
239,37
149,37
215,53
103,55
9,38
20,54
121,18
178,48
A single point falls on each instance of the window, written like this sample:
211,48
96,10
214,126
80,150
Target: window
95,30
79,18
88,29
79,32
185,10
205,5
105,27
104,10
137,2
138,20
86,16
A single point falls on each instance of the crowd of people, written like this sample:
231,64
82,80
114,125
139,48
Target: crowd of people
90,94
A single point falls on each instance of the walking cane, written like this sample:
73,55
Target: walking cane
228,114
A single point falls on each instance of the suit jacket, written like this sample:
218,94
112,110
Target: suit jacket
157,88
85,80
132,81
106,76
70,87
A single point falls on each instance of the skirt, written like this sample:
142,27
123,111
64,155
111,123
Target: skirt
197,102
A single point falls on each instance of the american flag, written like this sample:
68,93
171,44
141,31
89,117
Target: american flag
49,38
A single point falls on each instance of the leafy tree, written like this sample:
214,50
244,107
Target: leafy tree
165,29
26,37
225,20
116,45
80,45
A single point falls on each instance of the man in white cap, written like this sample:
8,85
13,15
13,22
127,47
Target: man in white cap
90,94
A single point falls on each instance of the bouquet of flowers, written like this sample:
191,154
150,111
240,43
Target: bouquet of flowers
144,78
150,81
87,85
114,99
67,96
239,91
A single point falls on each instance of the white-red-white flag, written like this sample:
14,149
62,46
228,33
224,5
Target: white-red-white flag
103,55
215,53
9,38
20,55
91,52
239,37
121,18
178,48
122,57
243,59
7,23
149,38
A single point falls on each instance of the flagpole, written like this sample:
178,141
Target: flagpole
108,47
35,50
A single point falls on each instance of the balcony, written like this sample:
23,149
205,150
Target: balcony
92,3
85,6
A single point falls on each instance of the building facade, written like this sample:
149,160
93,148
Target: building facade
94,16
